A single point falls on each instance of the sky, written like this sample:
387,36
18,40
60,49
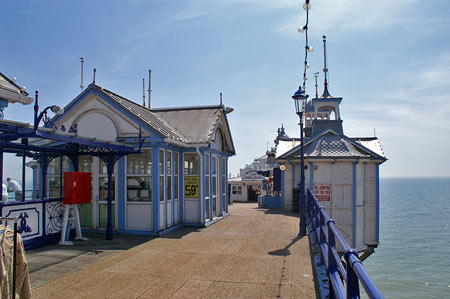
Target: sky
389,60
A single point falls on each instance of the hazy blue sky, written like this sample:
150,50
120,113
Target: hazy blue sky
389,60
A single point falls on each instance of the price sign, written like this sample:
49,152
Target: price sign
191,187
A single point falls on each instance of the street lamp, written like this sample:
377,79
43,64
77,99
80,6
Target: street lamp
38,116
300,98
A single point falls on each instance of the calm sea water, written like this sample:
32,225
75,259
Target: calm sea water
413,259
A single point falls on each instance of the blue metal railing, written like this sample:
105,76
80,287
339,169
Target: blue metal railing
350,275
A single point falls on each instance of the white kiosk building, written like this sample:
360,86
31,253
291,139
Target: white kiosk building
343,172
179,179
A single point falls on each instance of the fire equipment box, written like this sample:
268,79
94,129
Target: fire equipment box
77,188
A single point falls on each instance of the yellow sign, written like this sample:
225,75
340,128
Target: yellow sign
191,187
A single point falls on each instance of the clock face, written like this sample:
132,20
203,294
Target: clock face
283,167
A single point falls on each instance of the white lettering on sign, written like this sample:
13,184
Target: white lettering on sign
322,192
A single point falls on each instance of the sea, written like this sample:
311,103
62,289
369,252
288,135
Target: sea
413,258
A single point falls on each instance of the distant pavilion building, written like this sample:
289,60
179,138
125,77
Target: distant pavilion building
343,172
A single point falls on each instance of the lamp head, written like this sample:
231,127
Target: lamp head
300,97
57,110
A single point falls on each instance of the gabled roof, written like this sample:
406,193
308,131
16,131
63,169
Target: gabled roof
141,113
329,144
146,115
188,125
196,123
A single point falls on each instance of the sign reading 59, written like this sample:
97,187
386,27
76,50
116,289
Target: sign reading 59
190,187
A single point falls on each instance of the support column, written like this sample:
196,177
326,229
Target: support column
355,218
156,202
23,174
110,161
109,228
227,192
378,201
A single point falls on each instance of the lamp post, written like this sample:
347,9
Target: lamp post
300,98
38,116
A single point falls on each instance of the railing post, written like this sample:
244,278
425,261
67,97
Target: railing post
332,265
317,218
352,282
322,239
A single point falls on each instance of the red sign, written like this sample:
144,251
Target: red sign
322,192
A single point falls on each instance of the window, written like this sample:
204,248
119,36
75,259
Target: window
139,176
237,190
191,176
176,179
54,176
191,164
161,175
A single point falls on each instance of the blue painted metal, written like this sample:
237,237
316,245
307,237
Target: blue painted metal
272,202
365,201
326,235
378,201
302,206
121,196
156,190
203,179
227,195
172,163
311,175
210,189
355,189
282,191
166,195
140,232
180,185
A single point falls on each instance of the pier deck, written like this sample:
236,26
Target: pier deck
253,253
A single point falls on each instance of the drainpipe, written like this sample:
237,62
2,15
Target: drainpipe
200,176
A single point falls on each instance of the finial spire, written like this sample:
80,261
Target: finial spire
143,92
220,99
82,63
325,94
149,88
95,71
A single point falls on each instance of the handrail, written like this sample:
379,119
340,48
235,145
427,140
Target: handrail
343,279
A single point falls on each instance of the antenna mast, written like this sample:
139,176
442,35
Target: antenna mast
315,78
325,94
143,92
82,62
149,88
